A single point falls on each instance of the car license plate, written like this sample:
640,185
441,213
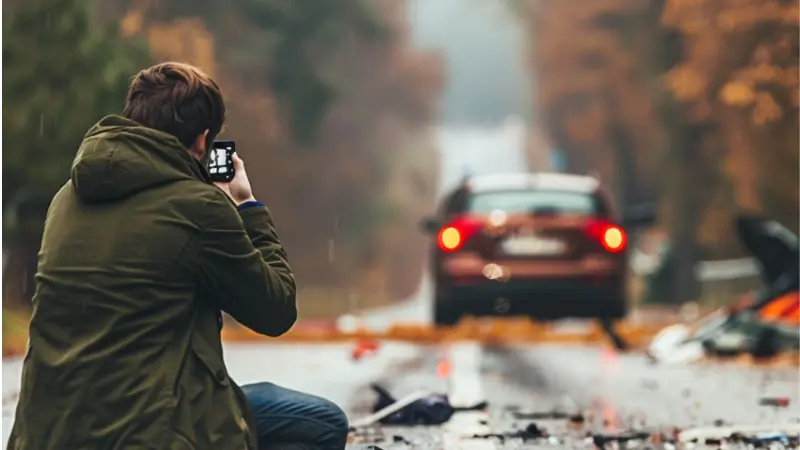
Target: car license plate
532,245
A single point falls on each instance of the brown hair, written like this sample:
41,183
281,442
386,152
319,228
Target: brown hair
178,99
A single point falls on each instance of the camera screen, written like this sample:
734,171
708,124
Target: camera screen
217,162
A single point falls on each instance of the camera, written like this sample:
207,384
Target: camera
220,161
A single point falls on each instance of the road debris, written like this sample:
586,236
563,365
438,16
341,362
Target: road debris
434,409
601,440
780,402
763,324
364,347
553,415
530,432
576,421
390,408
419,408
739,432
400,440
367,435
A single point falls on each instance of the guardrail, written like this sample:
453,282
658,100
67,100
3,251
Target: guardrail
727,269
721,281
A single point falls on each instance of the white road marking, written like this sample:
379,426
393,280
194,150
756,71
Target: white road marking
466,390
465,378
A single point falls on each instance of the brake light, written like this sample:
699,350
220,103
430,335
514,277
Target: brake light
449,238
613,239
453,236
610,236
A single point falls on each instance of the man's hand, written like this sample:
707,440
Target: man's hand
238,189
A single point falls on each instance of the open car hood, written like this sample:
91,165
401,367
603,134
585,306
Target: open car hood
774,246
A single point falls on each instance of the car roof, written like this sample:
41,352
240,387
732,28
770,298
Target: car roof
532,181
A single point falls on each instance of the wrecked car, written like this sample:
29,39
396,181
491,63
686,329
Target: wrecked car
764,323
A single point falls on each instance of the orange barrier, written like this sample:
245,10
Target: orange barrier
487,331
492,330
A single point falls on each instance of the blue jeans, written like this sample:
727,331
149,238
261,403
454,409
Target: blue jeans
293,420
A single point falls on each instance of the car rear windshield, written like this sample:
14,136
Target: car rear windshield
535,202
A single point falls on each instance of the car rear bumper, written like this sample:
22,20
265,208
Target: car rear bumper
468,265
574,296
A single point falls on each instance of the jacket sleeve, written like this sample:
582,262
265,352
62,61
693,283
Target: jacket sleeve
246,267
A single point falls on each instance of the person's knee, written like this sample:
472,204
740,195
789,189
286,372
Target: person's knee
285,415
258,388
336,418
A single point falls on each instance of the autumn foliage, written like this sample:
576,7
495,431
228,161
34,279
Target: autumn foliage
591,92
692,102
739,80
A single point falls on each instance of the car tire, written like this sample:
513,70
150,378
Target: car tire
615,310
444,315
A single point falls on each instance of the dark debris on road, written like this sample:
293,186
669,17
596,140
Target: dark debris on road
517,426
528,432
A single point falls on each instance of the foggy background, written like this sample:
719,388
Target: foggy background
483,49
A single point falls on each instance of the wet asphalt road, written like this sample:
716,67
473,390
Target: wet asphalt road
623,390
612,391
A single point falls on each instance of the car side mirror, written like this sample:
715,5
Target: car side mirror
639,216
429,225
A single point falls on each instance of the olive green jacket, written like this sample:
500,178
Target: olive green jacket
140,253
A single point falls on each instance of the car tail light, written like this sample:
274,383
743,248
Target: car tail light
610,236
452,236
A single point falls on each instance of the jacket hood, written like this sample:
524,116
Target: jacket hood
119,157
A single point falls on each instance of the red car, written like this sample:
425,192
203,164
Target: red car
547,245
